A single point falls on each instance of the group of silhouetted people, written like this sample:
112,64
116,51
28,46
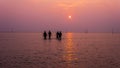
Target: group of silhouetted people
49,34
59,35
45,34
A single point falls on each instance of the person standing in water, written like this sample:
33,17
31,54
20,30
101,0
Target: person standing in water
45,35
60,35
49,33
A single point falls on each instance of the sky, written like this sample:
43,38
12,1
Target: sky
60,15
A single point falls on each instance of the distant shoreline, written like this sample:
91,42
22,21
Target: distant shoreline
63,32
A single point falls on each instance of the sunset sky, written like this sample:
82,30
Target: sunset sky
64,15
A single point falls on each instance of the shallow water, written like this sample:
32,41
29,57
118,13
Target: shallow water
75,50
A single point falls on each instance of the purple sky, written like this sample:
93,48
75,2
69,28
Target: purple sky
40,15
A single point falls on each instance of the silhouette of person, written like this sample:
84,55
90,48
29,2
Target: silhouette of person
49,33
45,35
60,35
57,35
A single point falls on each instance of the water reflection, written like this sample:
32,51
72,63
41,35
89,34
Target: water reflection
70,52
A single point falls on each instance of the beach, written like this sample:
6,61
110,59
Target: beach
74,50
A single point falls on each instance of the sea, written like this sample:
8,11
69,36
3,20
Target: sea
74,50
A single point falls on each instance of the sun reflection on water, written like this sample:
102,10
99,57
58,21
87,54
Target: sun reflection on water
70,52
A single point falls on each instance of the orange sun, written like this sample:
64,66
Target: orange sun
69,17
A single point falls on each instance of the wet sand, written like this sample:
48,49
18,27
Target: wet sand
75,50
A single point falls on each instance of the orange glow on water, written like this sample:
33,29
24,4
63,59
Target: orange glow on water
69,55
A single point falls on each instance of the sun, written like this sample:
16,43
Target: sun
69,17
